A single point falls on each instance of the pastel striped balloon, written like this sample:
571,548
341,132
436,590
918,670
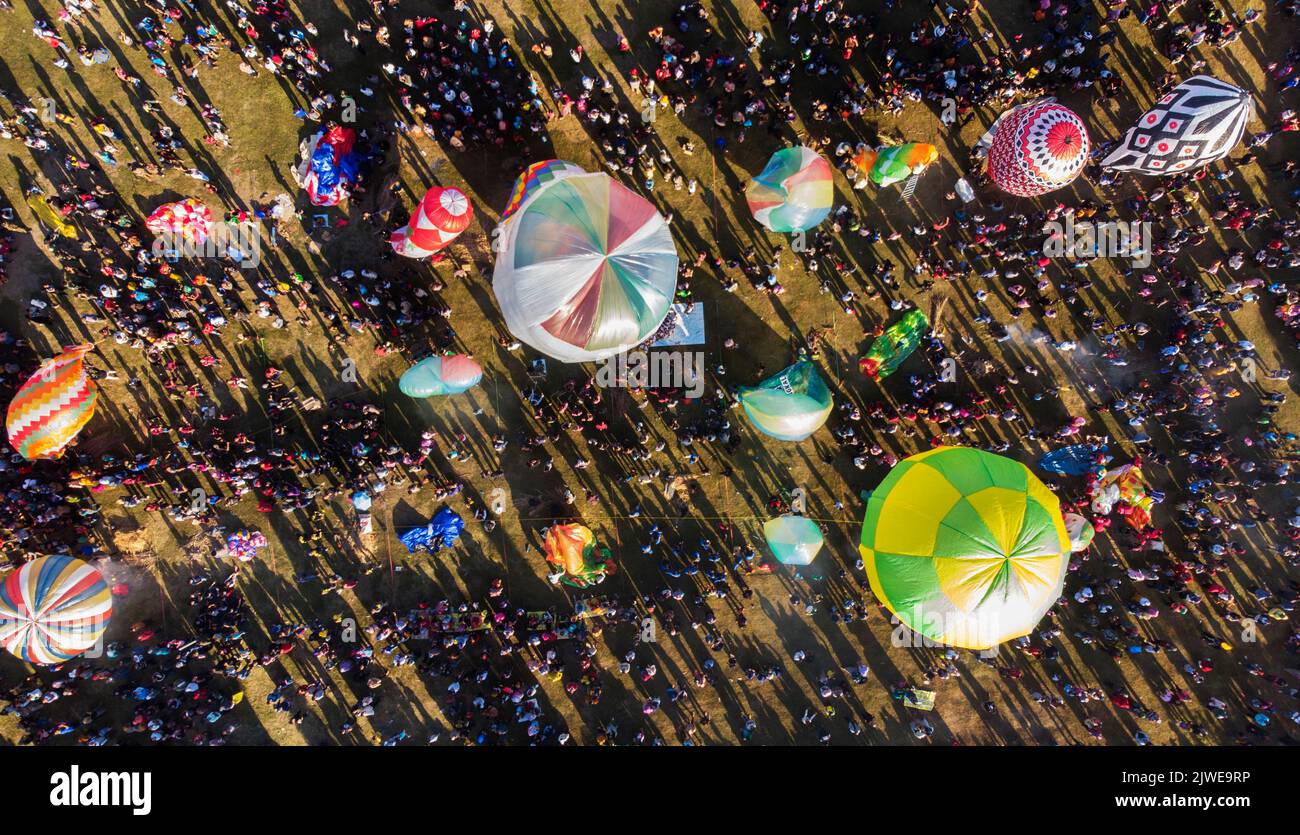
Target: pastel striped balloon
790,405
52,406
53,609
586,269
794,192
795,540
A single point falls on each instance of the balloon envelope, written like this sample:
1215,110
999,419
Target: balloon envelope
439,219
1037,148
440,375
794,540
794,192
895,345
1076,459
51,218
53,609
894,163
966,547
329,166
573,549
790,405
52,406
187,221
534,177
441,532
1196,123
587,269
1080,531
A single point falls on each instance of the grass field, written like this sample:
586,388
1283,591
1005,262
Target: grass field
157,555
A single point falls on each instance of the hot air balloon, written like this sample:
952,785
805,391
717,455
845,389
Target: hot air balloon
53,609
794,192
794,540
894,163
534,177
1037,148
441,216
440,375
186,221
966,547
790,405
894,345
1080,531
586,269
582,563
52,406
1196,123
329,166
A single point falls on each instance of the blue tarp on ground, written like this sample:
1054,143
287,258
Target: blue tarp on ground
443,529
1077,459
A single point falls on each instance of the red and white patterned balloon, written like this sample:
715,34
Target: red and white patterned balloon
441,216
1037,148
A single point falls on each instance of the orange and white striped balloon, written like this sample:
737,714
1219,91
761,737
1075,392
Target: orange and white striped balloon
52,406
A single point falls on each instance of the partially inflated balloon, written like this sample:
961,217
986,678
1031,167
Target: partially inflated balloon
440,375
895,345
52,406
1076,459
1127,486
794,540
894,163
794,192
1196,123
328,167
586,269
790,405
966,547
50,217
574,550
1080,530
439,219
186,221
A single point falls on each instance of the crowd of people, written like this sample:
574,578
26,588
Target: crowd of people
1185,389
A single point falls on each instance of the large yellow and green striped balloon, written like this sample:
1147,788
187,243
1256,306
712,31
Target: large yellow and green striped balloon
966,547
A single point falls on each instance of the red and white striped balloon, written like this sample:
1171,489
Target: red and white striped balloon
441,216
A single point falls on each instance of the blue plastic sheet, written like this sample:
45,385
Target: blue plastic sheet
1077,459
443,530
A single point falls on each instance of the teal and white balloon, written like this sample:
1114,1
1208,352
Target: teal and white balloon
435,376
794,540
